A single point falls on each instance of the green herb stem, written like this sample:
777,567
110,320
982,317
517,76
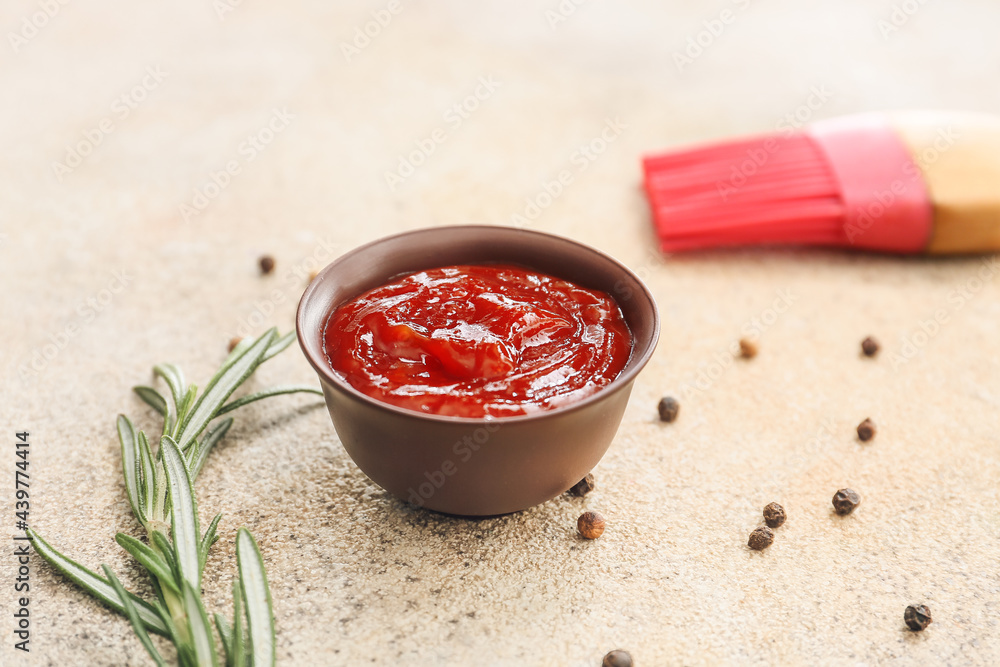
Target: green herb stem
160,490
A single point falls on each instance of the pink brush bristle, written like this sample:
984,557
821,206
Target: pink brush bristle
775,189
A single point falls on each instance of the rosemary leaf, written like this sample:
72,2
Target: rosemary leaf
174,378
239,654
257,597
226,635
239,349
161,542
147,481
126,435
133,616
182,412
221,387
95,585
214,433
267,393
154,563
201,631
208,540
183,513
160,488
153,399
278,346
245,344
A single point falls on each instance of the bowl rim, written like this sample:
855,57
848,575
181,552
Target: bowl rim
624,379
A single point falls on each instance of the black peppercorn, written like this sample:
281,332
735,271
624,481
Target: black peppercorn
590,525
761,538
866,430
617,658
748,348
668,408
845,500
583,487
774,515
266,264
870,347
917,617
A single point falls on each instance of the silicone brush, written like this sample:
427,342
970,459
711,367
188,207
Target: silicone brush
907,182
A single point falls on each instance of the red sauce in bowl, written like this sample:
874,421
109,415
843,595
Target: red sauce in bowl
478,341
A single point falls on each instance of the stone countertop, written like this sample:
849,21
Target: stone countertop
152,151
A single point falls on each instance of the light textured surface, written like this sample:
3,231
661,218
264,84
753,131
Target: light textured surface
360,578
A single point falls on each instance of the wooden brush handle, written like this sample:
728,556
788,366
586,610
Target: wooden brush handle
959,156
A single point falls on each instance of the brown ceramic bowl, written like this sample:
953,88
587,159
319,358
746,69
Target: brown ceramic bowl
461,465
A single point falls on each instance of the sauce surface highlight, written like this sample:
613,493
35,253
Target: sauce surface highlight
474,341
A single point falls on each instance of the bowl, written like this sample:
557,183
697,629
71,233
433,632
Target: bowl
475,466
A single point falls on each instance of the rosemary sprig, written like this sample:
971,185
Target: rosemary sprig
160,489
